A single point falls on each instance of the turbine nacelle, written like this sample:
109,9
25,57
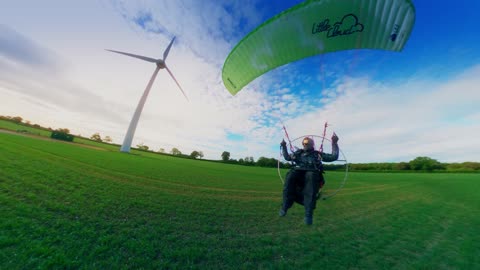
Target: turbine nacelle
161,64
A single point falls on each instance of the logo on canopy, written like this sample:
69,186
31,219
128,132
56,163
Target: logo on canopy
348,25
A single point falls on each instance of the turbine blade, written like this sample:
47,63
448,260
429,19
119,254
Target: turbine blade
148,59
167,50
173,77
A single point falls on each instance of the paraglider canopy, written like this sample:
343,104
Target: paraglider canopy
315,27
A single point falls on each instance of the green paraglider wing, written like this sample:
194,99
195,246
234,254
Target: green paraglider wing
315,27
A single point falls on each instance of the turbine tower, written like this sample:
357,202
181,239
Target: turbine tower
160,63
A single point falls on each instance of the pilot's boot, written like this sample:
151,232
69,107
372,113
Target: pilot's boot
308,217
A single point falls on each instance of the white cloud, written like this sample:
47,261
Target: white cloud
381,122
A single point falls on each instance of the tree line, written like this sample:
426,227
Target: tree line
418,164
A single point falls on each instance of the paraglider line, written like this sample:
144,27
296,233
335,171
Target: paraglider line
323,136
288,138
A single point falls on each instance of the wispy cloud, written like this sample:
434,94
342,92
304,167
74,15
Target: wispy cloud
33,72
15,49
144,19
207,28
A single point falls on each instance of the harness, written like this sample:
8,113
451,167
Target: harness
308,161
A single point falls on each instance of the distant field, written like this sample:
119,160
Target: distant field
17,127
65,206
26,130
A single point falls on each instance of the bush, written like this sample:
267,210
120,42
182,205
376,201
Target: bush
58,135
425,164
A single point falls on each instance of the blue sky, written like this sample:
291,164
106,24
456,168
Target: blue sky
384,106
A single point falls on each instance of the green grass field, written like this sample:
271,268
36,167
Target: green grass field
67,206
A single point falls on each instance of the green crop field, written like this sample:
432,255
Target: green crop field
63,205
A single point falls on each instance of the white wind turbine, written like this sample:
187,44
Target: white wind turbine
127,142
